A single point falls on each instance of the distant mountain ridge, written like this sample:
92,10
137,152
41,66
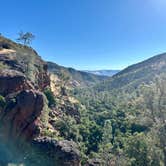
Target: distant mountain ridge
134,75
76,78
103,72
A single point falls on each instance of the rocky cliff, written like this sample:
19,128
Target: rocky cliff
23,78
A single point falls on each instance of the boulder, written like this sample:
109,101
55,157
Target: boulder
12,81
56,153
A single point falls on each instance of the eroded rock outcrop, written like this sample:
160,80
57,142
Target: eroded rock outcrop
20,124
61,153
23,76
25,60
12,81
19,120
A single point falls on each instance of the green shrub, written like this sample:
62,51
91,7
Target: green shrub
3,66
2,102
50,97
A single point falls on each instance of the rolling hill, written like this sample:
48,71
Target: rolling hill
75,77
133,76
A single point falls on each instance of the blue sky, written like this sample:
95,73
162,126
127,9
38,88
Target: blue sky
89,34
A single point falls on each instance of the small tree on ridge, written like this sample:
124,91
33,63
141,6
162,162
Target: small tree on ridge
25,38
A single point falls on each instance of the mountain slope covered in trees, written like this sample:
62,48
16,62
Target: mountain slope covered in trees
133,120
133,76
75,77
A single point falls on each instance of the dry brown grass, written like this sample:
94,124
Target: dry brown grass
7,51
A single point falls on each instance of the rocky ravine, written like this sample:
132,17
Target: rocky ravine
21,109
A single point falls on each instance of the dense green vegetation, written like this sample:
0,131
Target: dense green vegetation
122,119
124,129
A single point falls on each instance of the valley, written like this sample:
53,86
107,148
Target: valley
51,115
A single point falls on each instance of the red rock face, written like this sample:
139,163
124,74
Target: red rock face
12,81
19,117
43,78
22,115
20,125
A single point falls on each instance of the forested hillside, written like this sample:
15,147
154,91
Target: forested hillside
129,113
130,78
128,128
74,77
